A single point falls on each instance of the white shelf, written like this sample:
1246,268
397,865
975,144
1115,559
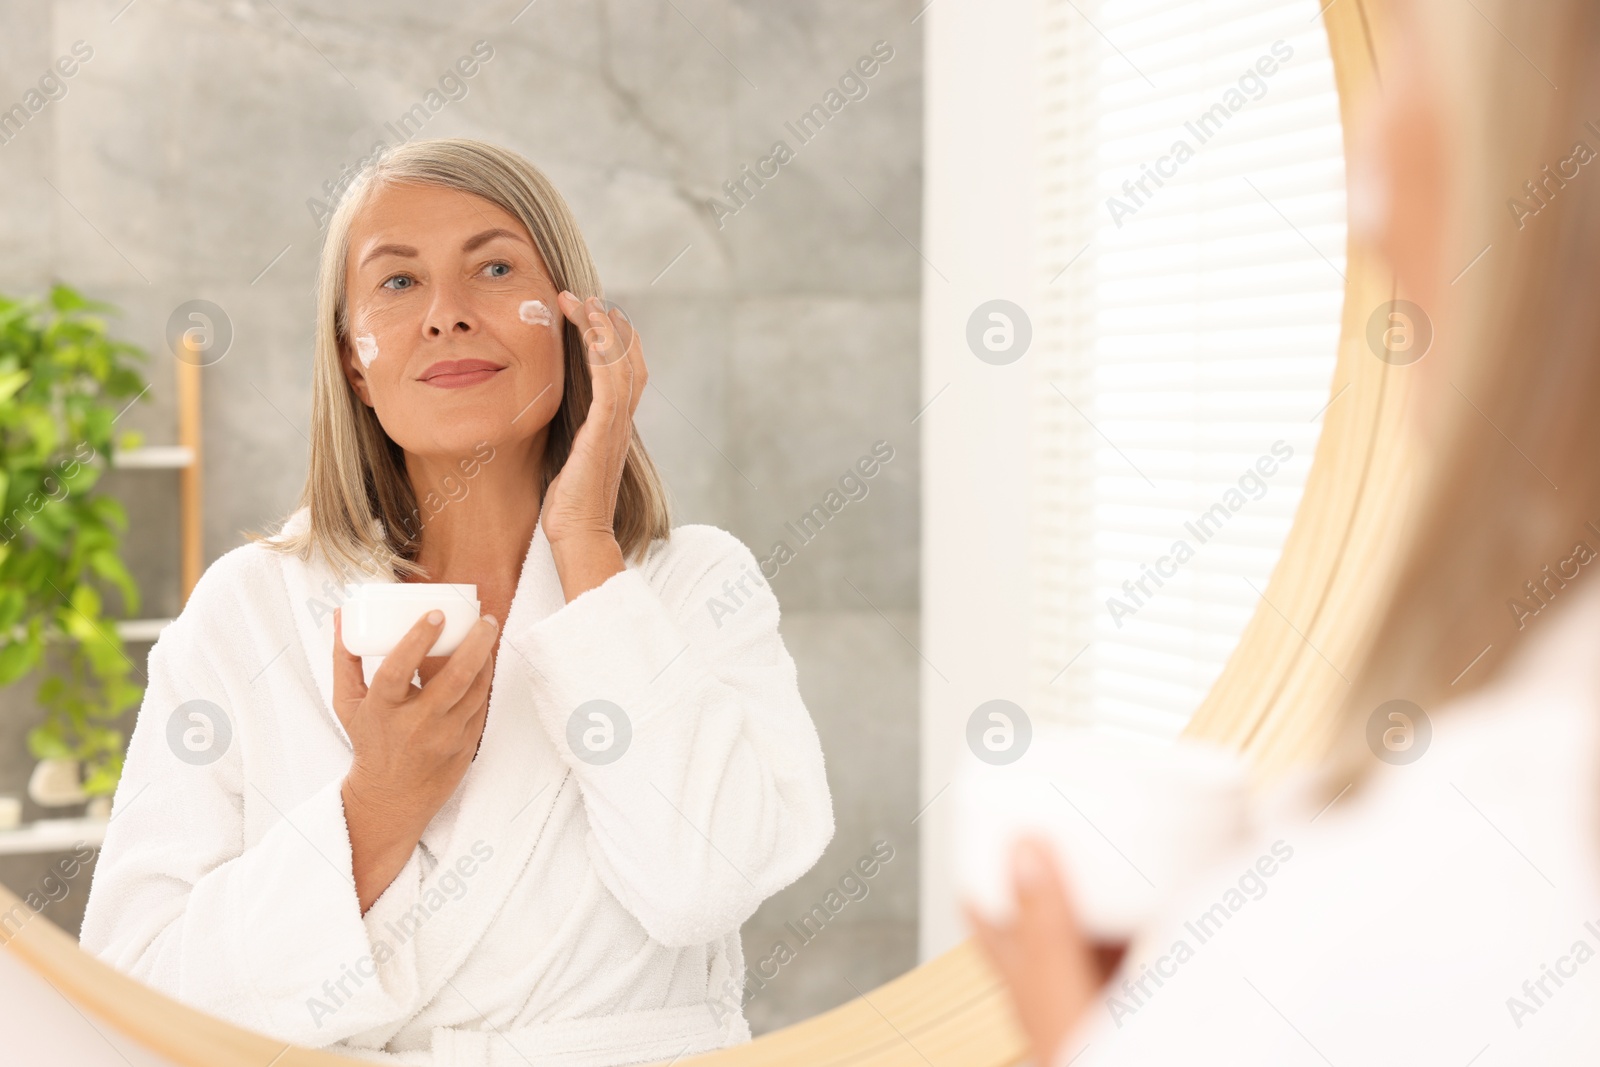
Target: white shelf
141,629
52,835
154,457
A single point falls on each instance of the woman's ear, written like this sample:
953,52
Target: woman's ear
354,372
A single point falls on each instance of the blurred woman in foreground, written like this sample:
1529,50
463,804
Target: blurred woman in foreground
1445,910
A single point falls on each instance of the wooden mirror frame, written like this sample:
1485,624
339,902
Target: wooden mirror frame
1273,701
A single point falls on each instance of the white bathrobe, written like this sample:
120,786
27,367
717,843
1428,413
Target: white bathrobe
556,911
1446,912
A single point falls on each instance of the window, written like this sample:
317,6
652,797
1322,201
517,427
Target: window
1191,246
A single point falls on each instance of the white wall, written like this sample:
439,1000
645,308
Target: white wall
977,243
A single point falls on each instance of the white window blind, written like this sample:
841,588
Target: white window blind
1192,239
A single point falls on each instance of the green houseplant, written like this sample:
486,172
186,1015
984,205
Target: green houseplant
61,377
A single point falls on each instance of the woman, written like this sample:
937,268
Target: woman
542,847
1446,909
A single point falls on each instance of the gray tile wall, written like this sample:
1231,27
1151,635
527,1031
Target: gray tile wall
783,343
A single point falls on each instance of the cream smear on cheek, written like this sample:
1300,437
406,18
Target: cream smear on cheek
534,313
366,349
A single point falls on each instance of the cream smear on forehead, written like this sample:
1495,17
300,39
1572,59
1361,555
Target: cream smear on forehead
534,313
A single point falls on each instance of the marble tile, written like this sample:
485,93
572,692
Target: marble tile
257,412
39,875
844,214
817,382
859,682
843,960
28,154
684,414
859,678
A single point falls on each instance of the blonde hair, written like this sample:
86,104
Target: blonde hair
1513,480
363,512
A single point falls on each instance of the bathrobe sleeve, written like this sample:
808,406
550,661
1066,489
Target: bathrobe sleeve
719,798
267,934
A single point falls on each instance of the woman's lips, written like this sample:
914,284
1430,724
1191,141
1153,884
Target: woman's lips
458,374
460,380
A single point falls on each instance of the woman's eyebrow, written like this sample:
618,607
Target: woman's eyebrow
388,250
473,243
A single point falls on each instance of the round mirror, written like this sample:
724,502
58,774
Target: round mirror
993,346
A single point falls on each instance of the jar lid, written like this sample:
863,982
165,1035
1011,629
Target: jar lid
409,590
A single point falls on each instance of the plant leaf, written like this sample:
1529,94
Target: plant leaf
11,381
17,659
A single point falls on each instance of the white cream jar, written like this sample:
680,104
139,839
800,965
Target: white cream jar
376,615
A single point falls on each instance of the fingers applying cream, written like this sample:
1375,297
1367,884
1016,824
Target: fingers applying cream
607,330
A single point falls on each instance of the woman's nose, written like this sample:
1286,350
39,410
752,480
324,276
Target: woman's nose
449,313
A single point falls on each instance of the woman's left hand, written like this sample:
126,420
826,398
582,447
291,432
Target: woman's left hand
581,502
1047,962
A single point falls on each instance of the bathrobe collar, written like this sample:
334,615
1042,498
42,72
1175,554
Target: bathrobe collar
507,794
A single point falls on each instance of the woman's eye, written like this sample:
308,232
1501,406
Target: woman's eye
405,280
498,269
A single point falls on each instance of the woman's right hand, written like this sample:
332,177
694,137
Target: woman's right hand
1045,958
412,746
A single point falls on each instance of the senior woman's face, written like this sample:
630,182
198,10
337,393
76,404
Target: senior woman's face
455,335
